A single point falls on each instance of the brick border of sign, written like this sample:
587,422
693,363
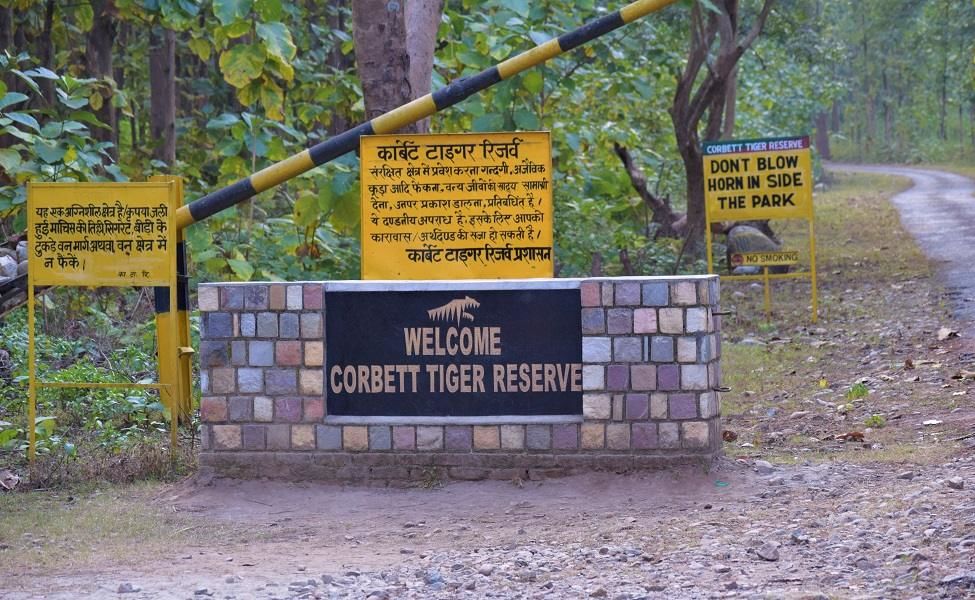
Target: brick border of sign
651,350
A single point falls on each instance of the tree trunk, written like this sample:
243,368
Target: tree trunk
422,23
46,51
337,60
382,52
822,135
730,105
98,61
162,101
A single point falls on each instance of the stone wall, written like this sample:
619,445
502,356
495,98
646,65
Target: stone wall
651,370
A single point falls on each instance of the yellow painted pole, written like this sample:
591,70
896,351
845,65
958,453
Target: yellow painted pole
31,378
708,241
812,270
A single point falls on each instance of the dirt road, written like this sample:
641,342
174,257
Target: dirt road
939,211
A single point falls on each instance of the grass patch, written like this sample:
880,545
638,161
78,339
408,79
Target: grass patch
90,528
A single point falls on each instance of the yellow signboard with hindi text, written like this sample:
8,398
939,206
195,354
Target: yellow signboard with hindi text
458,206
95,234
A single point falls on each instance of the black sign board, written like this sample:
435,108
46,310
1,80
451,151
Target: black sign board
453,353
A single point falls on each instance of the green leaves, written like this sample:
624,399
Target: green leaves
228,11
242,64
277,40
11,98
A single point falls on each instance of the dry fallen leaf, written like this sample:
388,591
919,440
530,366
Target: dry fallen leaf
908,364
8,480
729,435
852,436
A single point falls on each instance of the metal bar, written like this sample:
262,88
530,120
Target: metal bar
797,275
411,112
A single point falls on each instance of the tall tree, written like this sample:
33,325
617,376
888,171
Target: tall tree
99,62
716,45
162,93
394,46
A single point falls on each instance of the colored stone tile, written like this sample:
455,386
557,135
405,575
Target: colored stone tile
355,438
294,297
618,436
250,381
226,437
205,437
312,296
311,382
314,409
255,297
593,436
593,320
714,291
223,380
267,325
684,292
658,406
263,409
458,437
703,292
593,377
280,381
589,293
252,437
668,435
686,349
276,294
618,407
302,437
607,294
694,377
714,375
704,355
231,297
311,325
429,438
596,349
213,409
287,410
248,325
643,377
617,377
696,434
627,294
697,320
261,353
627,349
278,437
668,377
290,326
219,325
656,294
682,406
404,437
214,354
708,405
619,320
645,320
671,320
238,353
637,406
205,381
596,406
380,437
487,437
565,437
538,437
662,348
644,436
314,354
240,408
208,298
329,437
287,353
513,437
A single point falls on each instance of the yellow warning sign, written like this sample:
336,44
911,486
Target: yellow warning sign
758,179
764,259
458,206
101,234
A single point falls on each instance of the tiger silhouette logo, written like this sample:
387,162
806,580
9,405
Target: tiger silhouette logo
455,310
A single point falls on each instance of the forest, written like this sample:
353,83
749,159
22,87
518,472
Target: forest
215,90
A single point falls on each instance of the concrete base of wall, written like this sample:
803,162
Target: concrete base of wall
419,469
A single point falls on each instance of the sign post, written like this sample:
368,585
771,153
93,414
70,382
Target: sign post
458,206
761,179
103,235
